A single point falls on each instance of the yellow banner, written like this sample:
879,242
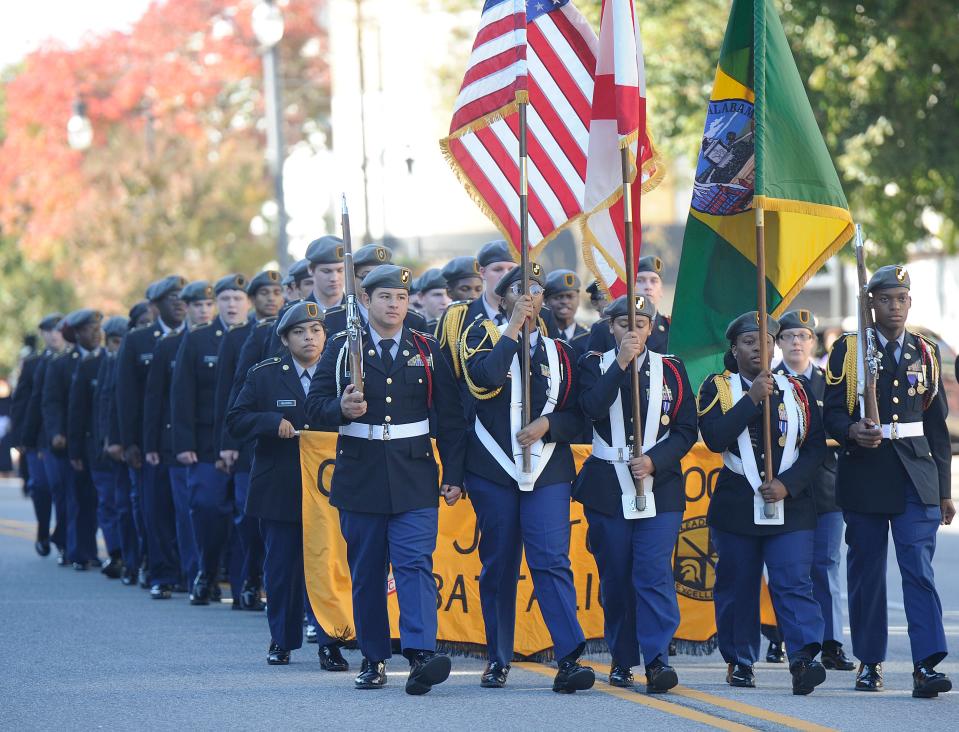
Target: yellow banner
456,563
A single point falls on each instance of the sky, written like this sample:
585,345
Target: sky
25,25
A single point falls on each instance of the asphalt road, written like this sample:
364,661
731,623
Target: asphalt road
83,652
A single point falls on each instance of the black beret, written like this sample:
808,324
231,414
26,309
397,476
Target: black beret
264,278
389,276
749,323
431,279
374,254
459,268
494,251
161,288
50,321
305,311
199,290
77,319
137,311
562,280
287,280
617,308
325,250
299,271
650,264
116,326
535,274
798,319
885,278
230,282
595,290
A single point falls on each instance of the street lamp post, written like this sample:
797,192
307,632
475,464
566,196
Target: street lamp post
79,128
267,23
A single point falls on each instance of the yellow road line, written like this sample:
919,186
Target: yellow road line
677,710
14,524
16,533
749,710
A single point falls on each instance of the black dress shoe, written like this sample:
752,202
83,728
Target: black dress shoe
42,547
741,675
621,676
277,656
216,592
572,677
311,634
869,677
372,675
834,658
427,669
161,592
807,674
112,569
660,677
775,653
129,576
200,595
494,677
62,559
927,683
250,596
331,659
80,566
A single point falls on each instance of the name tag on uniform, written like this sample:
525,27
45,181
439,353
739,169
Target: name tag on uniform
210,360
145,358
286,402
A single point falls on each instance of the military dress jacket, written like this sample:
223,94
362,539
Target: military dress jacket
21,397
720,424
194,391
396,475
82,413
133,364
488,371
334,320
107,426
34,435
55,402
158,399
874,480
597,486
601,340
225,375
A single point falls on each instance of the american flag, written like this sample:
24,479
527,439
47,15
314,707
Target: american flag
542,51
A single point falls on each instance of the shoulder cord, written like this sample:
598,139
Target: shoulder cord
803,400
450,336
679,387
850,372
492,334
929,359
564,364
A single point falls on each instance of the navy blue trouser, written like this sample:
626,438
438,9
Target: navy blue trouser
406,541
163,561
104,481
57,483
283,577
185,541
211,511
81,515
637,588
39,489
139,521
509,521
827,547
248,531
126,523
739,571
914,534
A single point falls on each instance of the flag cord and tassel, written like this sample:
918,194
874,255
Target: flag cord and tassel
524,275
769,509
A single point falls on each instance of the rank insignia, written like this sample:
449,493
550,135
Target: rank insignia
286,402
544,370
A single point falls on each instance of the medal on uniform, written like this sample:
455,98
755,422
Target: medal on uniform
667,402
664,420
911,392
921,388
783,423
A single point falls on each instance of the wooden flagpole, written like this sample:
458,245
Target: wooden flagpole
769,509
524,358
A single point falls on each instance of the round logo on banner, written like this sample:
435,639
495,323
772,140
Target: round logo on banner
694,569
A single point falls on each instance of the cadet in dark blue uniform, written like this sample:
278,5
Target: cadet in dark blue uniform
797,340
271,410
174,560
325,257
730,421
266,294
597,297
434,297
194,394
26,426
386,482
562,297
649,284
95,493
133,363
517,510
634,553
298,283
463,281
893,475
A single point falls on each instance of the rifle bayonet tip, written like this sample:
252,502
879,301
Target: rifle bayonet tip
344,209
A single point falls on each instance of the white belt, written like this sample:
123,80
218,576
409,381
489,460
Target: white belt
385,431
898,430
733,462
611,454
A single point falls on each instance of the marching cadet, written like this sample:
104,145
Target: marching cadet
894,474
463,282
731,423
464,286
325,256
797,341
635,553
93,482
597,297
365,260
193,394
649,284
133,364
270,409
174,561
266,296
433,295
562,297
107,438
27,426
416,304
516,510
386,482
298,282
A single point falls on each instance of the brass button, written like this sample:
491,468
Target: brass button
389,380
895,382
168,426
895,418
389,399
895,400
388,418
420,380
762,474
306,426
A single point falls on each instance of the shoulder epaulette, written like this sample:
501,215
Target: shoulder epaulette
199,326
341,334
581,334
237,325
264,323
170,334
724,394
334,309
426,334
458,304
268,362
598,354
